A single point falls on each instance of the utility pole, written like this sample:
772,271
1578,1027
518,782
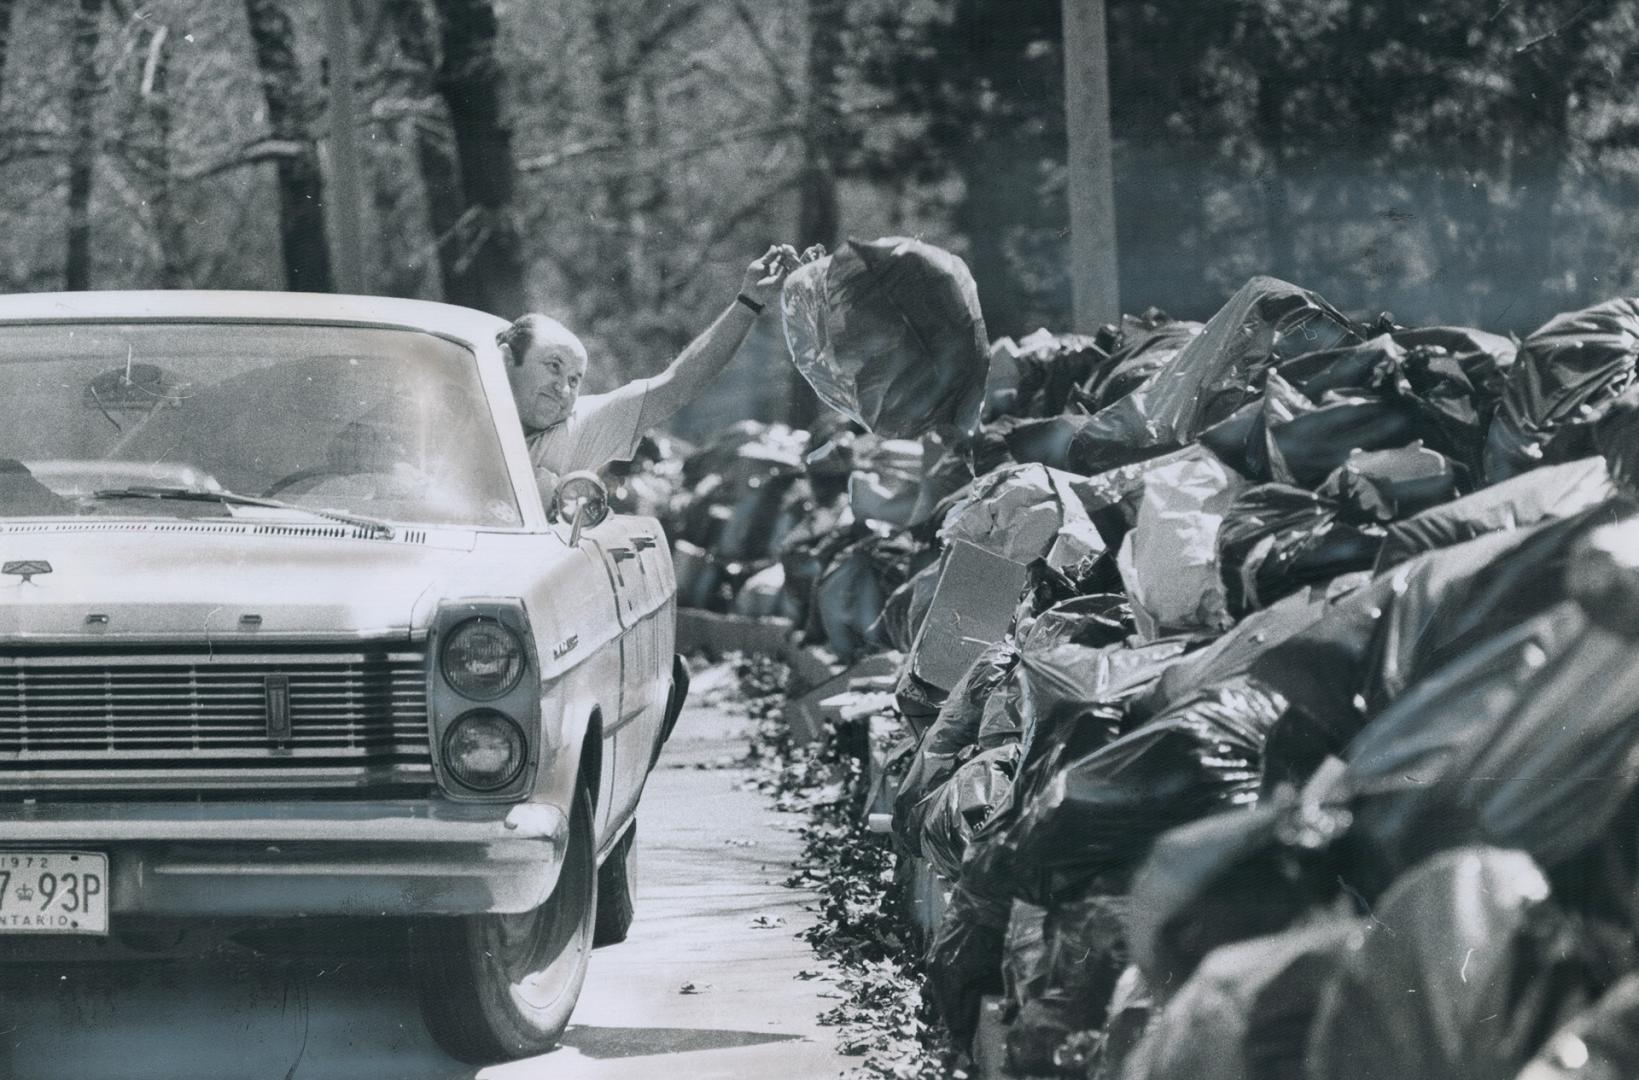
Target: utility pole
346,187
1092,169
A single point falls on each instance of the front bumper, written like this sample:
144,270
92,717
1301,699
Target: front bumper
398,857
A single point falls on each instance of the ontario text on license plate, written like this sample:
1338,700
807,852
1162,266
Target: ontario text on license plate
53,892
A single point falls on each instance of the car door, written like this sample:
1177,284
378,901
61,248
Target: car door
636,556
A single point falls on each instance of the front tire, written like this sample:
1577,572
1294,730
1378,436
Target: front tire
498,987
617,892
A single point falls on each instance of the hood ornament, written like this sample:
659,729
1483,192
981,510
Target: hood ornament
26,568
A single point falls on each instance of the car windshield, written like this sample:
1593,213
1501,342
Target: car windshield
390,425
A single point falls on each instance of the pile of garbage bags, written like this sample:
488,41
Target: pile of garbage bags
1270,686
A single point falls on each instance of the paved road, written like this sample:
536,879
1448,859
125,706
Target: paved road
711,859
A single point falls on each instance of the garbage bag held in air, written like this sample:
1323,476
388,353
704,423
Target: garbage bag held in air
889,333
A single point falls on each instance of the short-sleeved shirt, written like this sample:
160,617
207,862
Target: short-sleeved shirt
600,428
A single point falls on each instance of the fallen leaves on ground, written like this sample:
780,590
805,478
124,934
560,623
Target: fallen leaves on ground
881,1018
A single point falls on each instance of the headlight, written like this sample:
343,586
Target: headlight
484,750
483,659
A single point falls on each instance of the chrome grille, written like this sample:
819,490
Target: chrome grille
358,717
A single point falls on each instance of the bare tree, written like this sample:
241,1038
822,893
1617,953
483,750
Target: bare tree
487,270
301,187
82,153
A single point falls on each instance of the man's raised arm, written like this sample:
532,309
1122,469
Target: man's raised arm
709,354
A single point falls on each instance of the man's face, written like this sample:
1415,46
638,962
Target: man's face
547,383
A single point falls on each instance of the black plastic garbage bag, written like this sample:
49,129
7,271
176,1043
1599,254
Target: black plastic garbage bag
965,959
851,593
1132,1006
1528,741
889,333
1058,681
1245,1015
1568,373
959,807
1602,1043
1043,441
1148,342
1485,358
953,735
991,869
1085,945
1233,877
1424,388
1230,655
1554,491
1024,961
1304,449
808,550
906,608
1385,485
745,451
1313,411
1052,367
1267,321
1277,539
1094,620
1100,814
1373,644
1466,970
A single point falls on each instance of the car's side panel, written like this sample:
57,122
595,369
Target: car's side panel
638,561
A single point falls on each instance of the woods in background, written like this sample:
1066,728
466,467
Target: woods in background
614,160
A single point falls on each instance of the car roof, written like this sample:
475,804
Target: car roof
231,305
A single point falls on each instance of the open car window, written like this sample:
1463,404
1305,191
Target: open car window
389,424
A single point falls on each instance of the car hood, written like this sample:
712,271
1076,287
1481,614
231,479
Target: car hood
209,582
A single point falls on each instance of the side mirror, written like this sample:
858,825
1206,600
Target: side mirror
583,501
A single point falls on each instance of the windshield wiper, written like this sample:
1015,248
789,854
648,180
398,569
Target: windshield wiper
230,498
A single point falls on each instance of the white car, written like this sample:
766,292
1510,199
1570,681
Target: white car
285,631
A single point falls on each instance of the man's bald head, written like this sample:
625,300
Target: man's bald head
545,365
534,328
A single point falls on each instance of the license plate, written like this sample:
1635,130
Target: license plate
53,892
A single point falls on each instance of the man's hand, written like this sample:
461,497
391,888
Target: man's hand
765,276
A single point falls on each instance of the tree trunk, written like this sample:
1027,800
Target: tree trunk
152,152
1277,203
818,218
440,178
6,8
301,187
489,272
82,152
613,86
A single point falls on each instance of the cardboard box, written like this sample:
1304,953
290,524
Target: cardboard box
972,607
